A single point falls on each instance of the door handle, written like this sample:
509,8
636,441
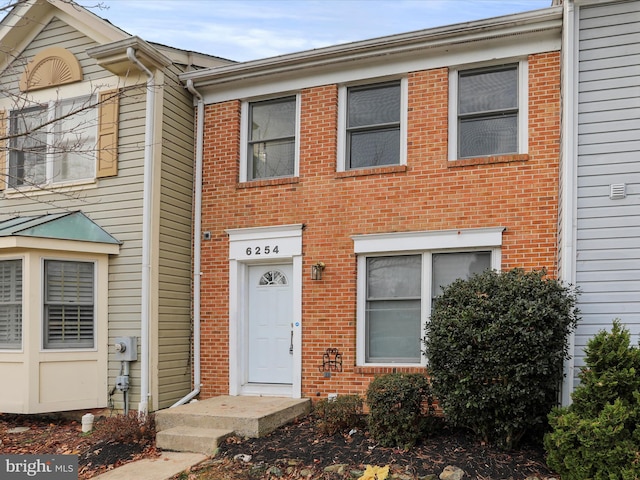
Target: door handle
291,344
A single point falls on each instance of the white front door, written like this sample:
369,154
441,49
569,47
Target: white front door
270,324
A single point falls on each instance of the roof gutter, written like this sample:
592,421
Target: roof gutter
442,37
197,240
149,141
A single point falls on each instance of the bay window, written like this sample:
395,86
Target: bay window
10,304
69,304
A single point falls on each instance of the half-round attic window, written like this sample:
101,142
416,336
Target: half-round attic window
51,67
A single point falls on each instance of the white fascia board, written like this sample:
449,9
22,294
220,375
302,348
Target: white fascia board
36,243
586,3
26,20
429,240
506,37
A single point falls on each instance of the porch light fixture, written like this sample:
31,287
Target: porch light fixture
316,271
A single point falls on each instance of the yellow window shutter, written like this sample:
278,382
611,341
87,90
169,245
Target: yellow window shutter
3,150
107,147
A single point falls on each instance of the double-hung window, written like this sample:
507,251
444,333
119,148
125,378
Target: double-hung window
53,143
10,304
271,146
393,309
69,304
396,289
489,117
372,125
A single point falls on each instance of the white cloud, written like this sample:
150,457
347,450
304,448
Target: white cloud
250,29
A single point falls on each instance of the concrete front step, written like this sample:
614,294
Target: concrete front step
192,427
191,439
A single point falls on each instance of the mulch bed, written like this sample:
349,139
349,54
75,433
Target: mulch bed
285,453
301,443
62,436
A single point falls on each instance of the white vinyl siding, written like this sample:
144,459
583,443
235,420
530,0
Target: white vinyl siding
608,230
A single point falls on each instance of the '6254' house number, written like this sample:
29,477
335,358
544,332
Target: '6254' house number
264,250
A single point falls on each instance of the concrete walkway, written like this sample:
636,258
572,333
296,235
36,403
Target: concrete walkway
161,468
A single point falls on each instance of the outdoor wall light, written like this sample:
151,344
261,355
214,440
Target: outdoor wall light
316,271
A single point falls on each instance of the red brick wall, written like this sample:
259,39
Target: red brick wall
519,192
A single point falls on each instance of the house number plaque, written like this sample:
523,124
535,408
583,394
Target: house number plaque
265,243
264,250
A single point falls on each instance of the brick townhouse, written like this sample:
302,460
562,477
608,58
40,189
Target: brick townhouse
343,186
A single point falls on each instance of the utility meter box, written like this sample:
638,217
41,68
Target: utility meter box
126,349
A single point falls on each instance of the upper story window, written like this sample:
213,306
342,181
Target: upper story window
488,114
271,145
372,127
53,143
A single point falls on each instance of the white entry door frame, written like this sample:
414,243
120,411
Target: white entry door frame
249,247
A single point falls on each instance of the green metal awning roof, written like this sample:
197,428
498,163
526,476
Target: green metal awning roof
61,226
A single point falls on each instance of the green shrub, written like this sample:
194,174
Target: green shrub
399,408
598,435
612,372
339,414
495,346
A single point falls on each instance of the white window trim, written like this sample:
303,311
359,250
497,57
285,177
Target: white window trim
244,137
242,254
22,324
68,185
425,243
342,122
96,286
523,105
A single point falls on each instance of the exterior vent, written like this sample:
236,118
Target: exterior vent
618,191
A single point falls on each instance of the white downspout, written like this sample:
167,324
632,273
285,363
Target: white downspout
196,246
149,141
569,167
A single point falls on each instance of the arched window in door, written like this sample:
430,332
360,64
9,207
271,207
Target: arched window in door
273,277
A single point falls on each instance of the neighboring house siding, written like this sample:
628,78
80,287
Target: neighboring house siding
114,203
430,194
59,34
608,235
176,191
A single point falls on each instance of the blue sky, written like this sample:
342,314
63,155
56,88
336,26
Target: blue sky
249,29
